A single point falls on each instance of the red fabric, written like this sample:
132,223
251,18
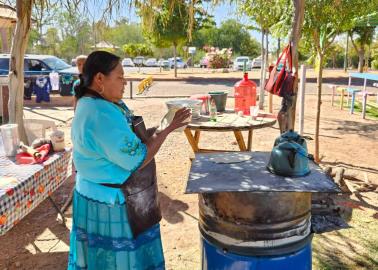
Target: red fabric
281,82
25,158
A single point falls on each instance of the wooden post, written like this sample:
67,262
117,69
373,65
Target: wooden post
262,73
270,103
302,98
295,37
286,118
131,89
4,103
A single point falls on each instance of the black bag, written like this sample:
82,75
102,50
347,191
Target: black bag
140,189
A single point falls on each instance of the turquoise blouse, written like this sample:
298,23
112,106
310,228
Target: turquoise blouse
105,149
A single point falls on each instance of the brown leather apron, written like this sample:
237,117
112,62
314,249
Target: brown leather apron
140,189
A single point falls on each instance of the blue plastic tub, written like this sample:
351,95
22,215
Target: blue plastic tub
214,258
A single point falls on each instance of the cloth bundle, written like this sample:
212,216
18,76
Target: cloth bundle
32,157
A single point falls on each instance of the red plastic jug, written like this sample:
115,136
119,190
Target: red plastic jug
245,95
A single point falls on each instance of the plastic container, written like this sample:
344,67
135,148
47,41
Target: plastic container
205,99
174,105
10,138
220,98
215,257
245,95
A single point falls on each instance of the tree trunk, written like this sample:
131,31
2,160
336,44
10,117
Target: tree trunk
174,58
16,66
262,72
346,53
361,58
278,47
266,49
295,36
334,60
319,67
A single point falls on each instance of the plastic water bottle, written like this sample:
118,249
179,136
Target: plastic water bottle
213,111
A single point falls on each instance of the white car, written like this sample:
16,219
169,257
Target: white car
127,62
239,63
256,62
151,62
179,63
139,61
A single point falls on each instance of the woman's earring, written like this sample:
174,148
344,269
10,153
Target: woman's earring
102,90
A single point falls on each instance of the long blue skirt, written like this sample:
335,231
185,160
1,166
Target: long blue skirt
101,239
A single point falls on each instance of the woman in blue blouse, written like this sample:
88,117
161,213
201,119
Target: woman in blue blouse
107,154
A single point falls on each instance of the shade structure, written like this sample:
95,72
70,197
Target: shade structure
8,16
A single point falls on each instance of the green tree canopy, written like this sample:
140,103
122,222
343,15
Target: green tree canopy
231,34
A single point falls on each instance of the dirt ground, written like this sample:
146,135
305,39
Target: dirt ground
40,242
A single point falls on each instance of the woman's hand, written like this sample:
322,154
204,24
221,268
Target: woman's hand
180,119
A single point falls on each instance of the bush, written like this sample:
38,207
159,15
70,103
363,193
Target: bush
374,64
219,61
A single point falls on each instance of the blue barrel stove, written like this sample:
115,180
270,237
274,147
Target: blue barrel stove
251,218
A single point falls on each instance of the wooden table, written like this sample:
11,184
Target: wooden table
227,122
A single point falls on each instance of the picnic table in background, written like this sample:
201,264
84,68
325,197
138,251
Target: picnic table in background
228,122
351,91
24,187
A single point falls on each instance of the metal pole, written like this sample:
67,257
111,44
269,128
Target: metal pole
302,98
131,89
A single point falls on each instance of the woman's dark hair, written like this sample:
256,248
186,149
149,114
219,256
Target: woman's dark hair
97,61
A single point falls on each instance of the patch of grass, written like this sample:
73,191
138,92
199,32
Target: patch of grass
371,112
353,248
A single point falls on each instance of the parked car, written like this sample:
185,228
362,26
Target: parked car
151,62
179,63
204,63
38,65
35,65
127,62
139,61
239,63
256,62
160,62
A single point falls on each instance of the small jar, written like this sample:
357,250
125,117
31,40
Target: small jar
57,140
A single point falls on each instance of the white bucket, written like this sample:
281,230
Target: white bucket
174,105
11,141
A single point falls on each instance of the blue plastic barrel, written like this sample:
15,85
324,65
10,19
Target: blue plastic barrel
215,258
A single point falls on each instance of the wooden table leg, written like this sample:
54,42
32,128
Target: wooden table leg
192,141
250,133
240,140
197,136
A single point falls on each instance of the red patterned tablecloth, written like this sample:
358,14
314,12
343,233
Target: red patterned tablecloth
24,187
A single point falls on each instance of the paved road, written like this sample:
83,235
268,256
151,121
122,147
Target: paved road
182,88
187,88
